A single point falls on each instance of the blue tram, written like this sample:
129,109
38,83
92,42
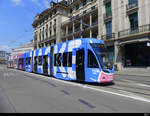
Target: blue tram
29,61
41,61
76,60
82,60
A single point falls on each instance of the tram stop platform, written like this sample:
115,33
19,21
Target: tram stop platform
143,72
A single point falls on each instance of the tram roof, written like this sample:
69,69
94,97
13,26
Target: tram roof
87,40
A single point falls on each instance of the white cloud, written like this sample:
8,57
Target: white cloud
17,2
42,4
5,48
37,3
46,3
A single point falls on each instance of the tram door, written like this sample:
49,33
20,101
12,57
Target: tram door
45,65
19,63
80,65
22,64
51,61
35,64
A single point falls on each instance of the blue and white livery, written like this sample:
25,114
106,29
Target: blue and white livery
41,61
84,59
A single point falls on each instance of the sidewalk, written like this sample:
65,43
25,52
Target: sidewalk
138,72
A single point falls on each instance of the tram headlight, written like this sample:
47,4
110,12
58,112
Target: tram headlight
104,78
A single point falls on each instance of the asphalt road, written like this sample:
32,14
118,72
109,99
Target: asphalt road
138,79
22,92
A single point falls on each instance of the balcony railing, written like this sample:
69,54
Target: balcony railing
131,8
77,29
138,30
108,36
107,16
73,18
95,22
106,1
48,39
70,31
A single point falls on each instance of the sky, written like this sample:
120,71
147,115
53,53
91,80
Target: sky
16,18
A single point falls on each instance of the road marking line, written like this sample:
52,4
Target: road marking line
128,80
86,103
95,89
65,92
132,94
143,85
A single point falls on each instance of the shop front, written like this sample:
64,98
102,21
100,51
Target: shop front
137,54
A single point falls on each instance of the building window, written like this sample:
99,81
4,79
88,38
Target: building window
35,36
54,27
93,8
46,31
109,28
43,33
77,7
50,29
108,8
50,33
70,11
84,2
84,12
40,35
55,22
133,18
133,2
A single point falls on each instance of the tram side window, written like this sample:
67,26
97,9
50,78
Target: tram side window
70,59
20,61
40,60
65,59
92,62
57,61
28,61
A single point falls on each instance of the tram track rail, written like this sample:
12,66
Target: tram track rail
134,80
130,87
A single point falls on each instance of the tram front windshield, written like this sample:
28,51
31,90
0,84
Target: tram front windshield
103,56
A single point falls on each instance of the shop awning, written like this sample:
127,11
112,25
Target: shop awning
133,41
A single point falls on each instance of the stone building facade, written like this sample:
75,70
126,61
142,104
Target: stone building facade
124,25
